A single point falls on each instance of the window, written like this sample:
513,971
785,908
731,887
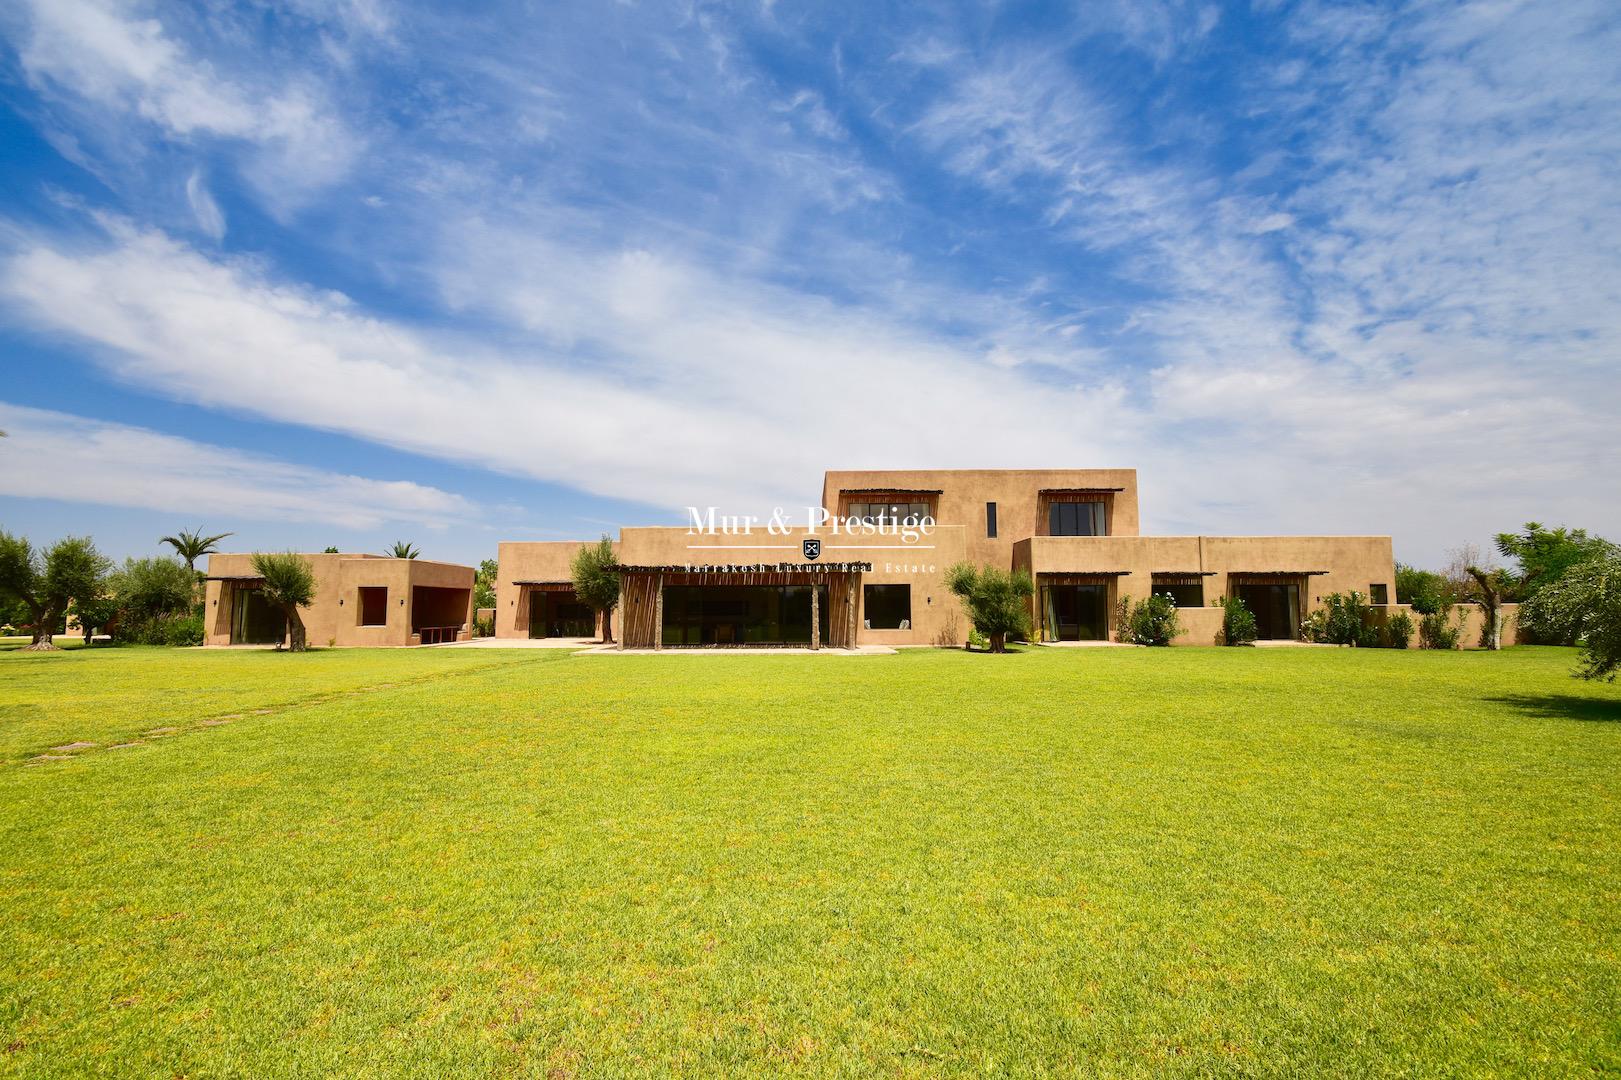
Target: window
905,513
1184,591
373,605
889,607
1379,594
1076,519
990,520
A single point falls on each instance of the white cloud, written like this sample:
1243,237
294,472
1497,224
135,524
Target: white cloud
102,58
210,219
53,455
711,389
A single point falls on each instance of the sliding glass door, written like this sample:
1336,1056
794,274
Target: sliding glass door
1075,612
1276,608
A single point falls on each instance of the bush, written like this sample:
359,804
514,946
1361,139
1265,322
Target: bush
1435,630
183,630
977,640
950,634
1153,621
1343,619
186,629
484,627
1399,630
1237,622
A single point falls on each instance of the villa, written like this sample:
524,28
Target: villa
870,567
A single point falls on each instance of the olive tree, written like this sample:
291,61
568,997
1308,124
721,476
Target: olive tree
596,582
998,601
45,582
289,584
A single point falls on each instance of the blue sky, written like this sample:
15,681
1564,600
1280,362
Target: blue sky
341,273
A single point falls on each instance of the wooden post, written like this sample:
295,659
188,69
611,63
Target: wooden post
816,614
658,617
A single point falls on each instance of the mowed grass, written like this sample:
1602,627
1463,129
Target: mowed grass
1064,862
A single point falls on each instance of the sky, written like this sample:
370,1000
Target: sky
341,273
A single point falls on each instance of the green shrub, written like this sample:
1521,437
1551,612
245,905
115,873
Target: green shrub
1343,619
183,630
1153,621
1237,621
1399,630
484,627
977,640
1435,630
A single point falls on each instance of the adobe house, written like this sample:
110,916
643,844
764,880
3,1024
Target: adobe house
369,600
871,569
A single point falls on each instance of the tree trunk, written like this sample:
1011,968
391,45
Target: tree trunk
607,626
1489,605
44,619
297,638
999,643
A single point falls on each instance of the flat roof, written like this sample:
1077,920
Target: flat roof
1078,490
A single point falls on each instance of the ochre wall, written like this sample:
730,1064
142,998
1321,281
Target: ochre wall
525,560
1016,493
1352,562
340,578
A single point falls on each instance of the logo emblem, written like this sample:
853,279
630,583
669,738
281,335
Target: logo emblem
813,549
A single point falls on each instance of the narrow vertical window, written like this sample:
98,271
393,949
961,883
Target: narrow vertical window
990,520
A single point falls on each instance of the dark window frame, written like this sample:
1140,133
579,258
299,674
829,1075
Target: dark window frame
990,520
1177,589
1065,515
1379,593
888,589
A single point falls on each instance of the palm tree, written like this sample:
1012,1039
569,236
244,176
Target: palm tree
193,545
403,550
288,584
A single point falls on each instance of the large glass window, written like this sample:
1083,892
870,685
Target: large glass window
373,605
1183,591
1276,608
1076,519
741,614
253,620
904,513
888,607
1075,612
559,615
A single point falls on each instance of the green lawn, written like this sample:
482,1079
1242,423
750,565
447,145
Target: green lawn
1290,862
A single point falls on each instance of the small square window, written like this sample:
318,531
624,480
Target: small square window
1379,594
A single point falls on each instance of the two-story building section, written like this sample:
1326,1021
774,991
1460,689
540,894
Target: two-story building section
873,571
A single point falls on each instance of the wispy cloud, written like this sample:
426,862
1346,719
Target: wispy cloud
53,455
1323,268
210,219
92,55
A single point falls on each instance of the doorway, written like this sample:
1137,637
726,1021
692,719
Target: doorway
1276,608
560,615
1075,612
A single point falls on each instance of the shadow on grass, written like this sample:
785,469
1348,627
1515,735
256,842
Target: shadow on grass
1566,706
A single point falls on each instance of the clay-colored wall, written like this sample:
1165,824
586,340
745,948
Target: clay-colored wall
1352,562
334,617
530,560
921,565
964,493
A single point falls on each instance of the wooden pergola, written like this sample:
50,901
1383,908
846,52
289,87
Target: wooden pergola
641,596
